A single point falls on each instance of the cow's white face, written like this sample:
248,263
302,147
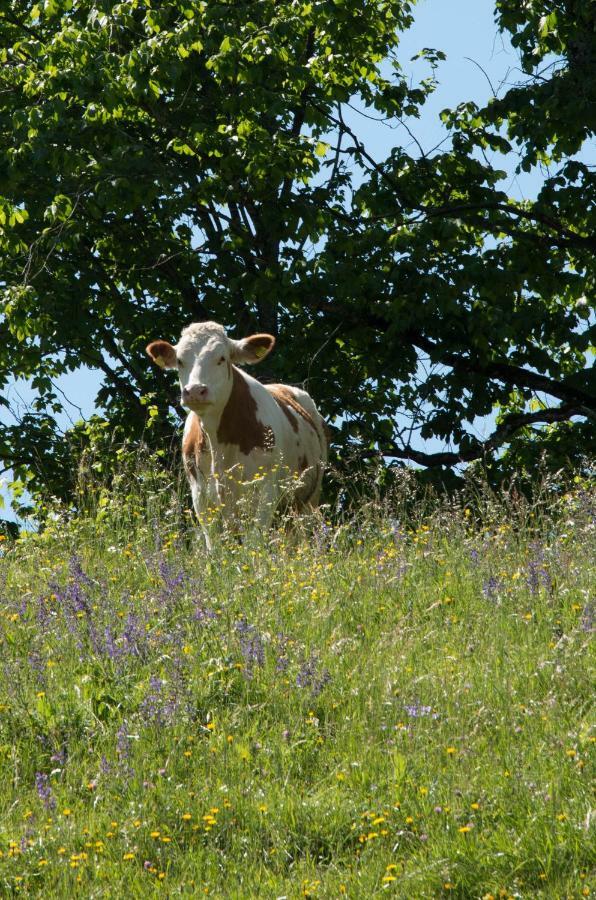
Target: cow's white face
204,357
205,371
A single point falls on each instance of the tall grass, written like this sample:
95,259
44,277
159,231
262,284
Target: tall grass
394,700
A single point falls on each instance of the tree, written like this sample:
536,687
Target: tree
194,161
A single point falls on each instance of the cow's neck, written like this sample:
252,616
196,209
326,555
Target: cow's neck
222,422
235,430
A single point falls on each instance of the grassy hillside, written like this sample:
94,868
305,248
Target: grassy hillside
385,706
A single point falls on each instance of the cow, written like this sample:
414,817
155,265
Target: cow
239,431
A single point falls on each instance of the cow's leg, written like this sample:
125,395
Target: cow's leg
267,501
199,502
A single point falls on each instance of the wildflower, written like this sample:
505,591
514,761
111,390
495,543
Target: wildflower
416,712
44,791
251,646
450,750
308,677
587,619
491,588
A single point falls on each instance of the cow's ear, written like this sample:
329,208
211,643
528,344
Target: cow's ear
162,353
252,349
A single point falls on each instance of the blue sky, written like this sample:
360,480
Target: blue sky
466,31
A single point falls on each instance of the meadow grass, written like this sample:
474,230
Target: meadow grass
380,704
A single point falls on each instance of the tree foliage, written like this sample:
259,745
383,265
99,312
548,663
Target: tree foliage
163,163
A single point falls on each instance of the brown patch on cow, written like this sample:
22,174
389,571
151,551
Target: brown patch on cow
239,424
288,405
192,446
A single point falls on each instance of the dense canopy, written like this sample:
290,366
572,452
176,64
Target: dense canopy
167,163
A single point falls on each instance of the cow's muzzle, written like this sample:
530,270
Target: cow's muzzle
195,394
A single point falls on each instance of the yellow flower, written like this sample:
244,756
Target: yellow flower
128,856
186,817
450,750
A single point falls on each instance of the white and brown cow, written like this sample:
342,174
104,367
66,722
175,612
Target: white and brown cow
239,430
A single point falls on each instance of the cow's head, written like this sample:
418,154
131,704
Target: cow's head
204,356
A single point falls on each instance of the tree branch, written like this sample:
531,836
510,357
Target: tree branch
478,449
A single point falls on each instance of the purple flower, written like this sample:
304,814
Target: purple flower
491,588
44,791
123,742
202,614
134,636
537,573
157,706
38,665
416,712
283,660
251,646
310,677
59,756
172,582
587,620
